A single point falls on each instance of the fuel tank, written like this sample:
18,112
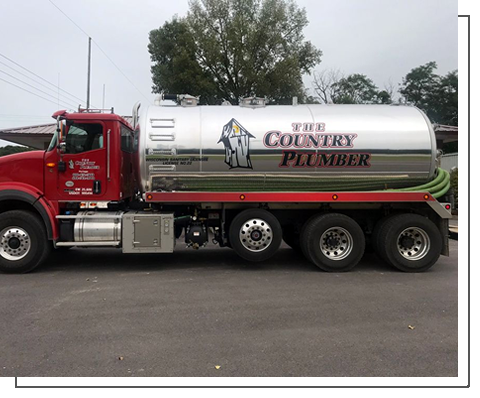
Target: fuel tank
283,148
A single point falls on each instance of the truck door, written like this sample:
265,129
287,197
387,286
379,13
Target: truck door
81,170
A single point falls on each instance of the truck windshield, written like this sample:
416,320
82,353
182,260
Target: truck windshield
53,143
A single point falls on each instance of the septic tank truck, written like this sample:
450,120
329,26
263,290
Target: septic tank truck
326,179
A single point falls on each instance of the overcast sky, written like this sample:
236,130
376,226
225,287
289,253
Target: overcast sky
383,39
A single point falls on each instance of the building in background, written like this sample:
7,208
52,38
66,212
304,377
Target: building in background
37,137
445,134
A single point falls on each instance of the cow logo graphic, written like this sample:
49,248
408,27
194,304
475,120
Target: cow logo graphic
236,140
71,164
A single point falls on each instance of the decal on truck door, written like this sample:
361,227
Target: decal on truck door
236,140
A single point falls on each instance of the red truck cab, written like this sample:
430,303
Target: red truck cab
90,158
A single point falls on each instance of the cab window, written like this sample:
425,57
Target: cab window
84,137
127,139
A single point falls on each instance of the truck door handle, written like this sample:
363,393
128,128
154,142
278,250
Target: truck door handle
97,187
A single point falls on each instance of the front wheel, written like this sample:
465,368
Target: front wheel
23,241
409,242
333,242
255,234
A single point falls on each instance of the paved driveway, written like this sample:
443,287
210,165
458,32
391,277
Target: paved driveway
185,313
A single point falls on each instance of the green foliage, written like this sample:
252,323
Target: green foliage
9,149
358,89
228,49
454,185
434,94
332,87
175,68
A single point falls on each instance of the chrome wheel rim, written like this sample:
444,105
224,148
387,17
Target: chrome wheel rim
336,243
256,235
413,243
15,243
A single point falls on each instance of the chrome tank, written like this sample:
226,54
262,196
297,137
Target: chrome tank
272,148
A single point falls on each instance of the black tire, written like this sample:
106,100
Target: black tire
267,242
391,233
35,238
291,238
376,233
348,242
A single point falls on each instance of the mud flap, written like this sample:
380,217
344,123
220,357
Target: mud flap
442,225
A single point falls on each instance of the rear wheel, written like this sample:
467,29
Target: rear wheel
333,242
409,242
23,241
255,234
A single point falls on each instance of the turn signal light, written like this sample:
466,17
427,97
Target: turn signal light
50,165
149,197
426,196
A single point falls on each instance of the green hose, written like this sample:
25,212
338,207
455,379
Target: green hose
438,187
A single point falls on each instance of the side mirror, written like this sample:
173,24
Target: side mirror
61,131
62,147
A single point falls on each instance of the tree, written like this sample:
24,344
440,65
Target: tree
436,95
234,49
10,149
447,99
358,89
323,84
391,89
333,87
175,68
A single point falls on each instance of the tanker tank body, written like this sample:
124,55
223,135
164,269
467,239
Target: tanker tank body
284,148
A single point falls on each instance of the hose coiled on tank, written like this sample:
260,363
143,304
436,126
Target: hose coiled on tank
438,187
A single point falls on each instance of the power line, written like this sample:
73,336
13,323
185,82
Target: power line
40,77
28,91
22,117
35,88
11,114
26,121
101,49
124,75
41,84
71,20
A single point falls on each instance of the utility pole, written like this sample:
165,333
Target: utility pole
88,74
58,91
103,100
